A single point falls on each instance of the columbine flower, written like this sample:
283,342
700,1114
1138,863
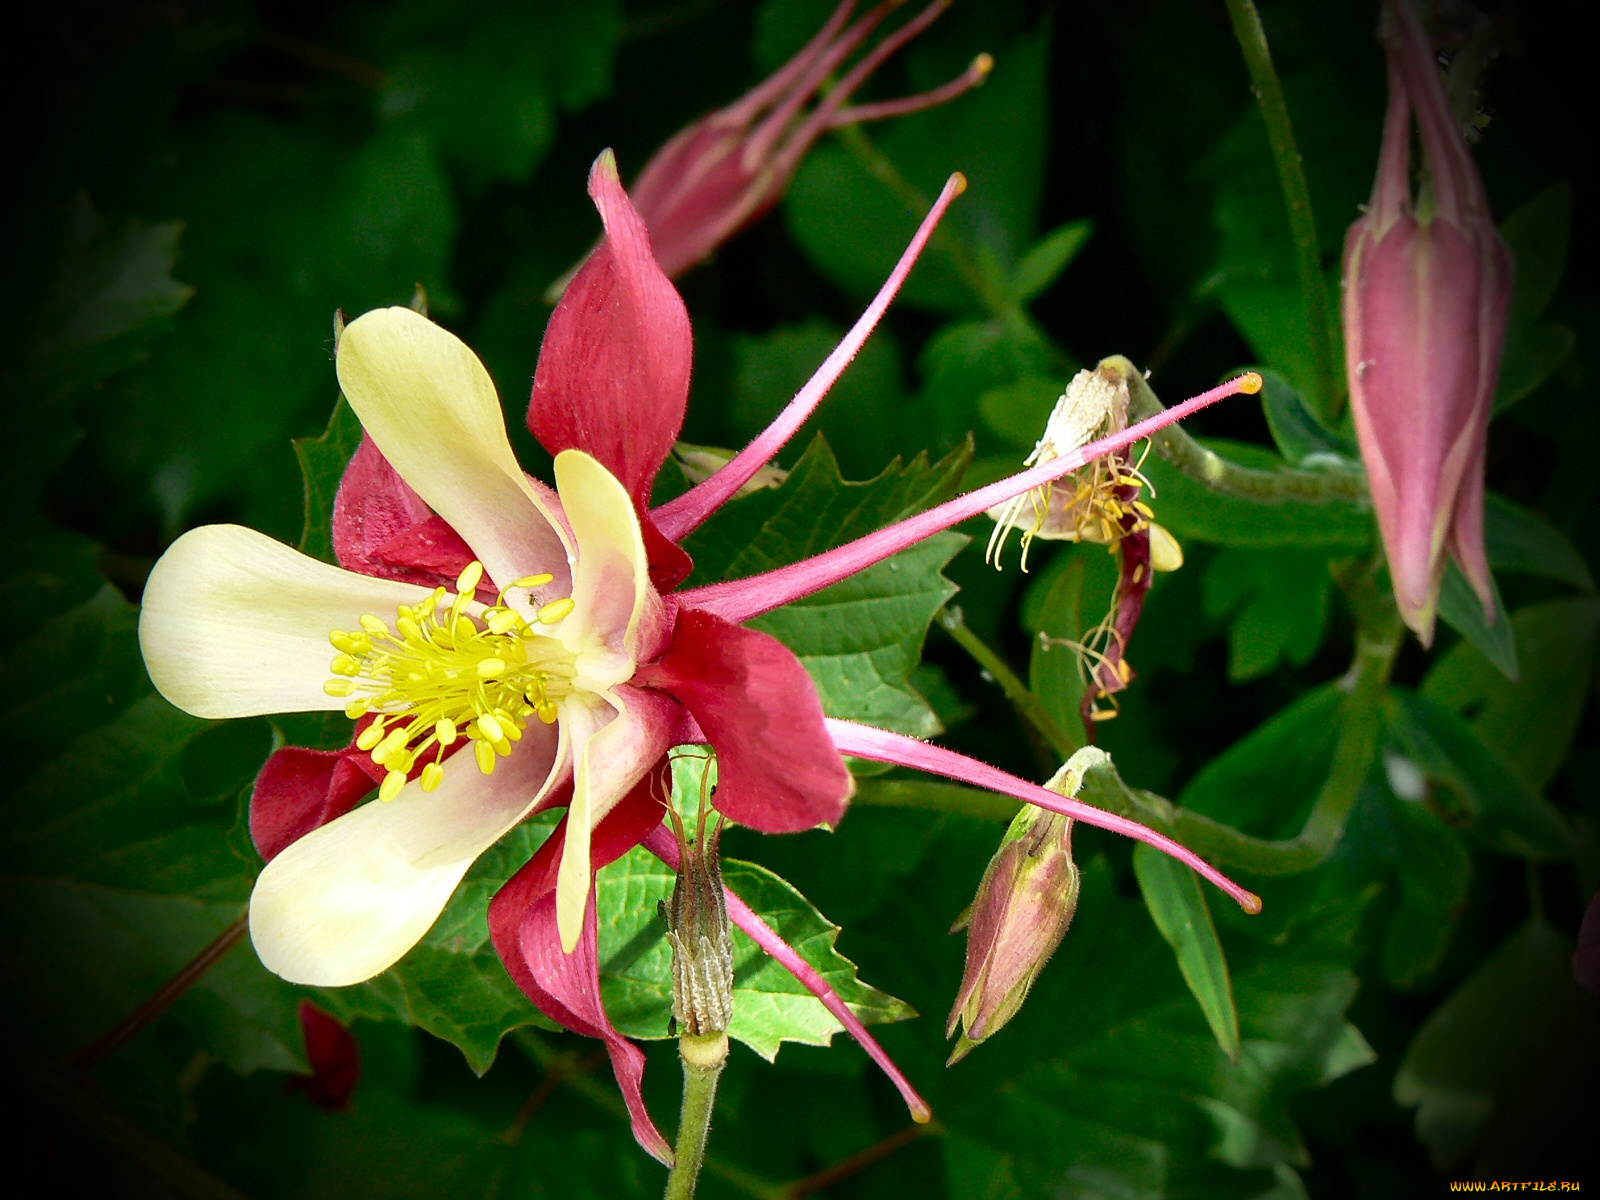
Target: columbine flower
731,166
1099,503
532,626
1427,293
1025,902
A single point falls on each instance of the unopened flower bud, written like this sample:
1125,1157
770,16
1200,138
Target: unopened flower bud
1023,907
697,928
1427,295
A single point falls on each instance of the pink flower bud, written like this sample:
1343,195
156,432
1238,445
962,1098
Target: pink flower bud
1427,293
728,168
1021,913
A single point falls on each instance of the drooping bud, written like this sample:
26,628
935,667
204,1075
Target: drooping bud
697,928
1024,904
724,171
1427,295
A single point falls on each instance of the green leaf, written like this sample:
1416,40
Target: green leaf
1528,724
1047,258
1054,612
1434,870
1178,907
1191,510
1254,276
861,638
1496,805
1539,234
484,83
1300,433
1520,540
1460,608
1502,1072
1531,356
967,361
1120,1080
1276,602
1265,783
770,1006
322,464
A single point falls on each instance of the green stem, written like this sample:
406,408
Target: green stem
1029,707
547,1056
703,1056
1296,196
1213,471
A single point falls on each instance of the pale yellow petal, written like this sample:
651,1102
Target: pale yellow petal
611,580
235,624
430,406
346,901
1165,553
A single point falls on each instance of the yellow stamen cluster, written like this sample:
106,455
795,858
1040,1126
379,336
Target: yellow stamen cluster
1090,506
444,673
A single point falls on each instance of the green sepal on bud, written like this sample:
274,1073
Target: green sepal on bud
697,928
1024,904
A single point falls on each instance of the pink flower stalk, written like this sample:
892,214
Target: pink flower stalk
731,166
1427,294
615,667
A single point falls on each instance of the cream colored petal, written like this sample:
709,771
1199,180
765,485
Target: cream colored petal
611,580
235,624
618,746
1165,553
346,901
430,406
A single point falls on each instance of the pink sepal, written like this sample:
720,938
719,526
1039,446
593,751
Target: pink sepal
299,790
777,770
613,374
566,987
662,844
335,1059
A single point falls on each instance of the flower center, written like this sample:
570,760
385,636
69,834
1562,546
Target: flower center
443,673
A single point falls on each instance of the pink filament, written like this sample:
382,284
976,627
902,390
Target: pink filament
680,517
740,599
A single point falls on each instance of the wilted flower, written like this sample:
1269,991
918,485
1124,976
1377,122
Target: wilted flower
1024,905
728,168
1427,293
1099,503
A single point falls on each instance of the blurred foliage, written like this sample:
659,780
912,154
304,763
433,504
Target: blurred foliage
201,185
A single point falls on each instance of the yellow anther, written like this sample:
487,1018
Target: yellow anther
432,777
339,687
357,709
556,610
445,730
490,728
547,711
533,581
467,582
340,640
392,783
485,755
406,612
409,629
373,625
462,628
370,736
503,620
488,668
502,747
343,664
